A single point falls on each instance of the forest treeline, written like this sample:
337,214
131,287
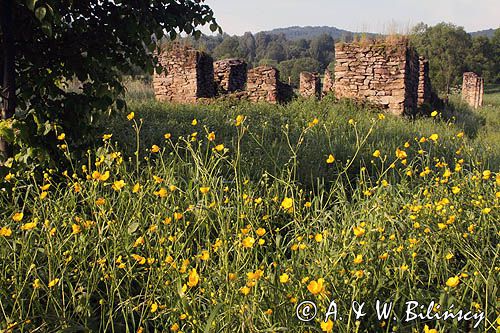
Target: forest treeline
450,49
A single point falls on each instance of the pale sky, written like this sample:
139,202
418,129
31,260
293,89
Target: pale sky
383,16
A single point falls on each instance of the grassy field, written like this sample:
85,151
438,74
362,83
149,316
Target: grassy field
223,218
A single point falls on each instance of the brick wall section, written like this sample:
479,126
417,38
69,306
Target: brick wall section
385,74
230,75
310,85
263,85
424,83
328,83
473,89
187,75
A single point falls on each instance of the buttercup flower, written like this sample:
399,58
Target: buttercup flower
193,278
453,281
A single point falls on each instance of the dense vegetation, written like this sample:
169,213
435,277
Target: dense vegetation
225,217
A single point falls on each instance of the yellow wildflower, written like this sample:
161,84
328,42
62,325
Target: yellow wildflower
17,217
284,278
453,281
327,327
53,283
248,242
193,278
239,120
358,231
330,159
287,204
155,149
358,259
118,185
316,287
5,231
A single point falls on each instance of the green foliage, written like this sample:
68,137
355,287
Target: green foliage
91,43
451,51
290,69
446,46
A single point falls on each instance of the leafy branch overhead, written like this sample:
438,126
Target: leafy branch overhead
92,41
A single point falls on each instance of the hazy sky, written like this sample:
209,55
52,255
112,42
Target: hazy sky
384,16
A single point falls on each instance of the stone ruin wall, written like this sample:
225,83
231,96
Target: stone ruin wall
389,75
186,77
263,85
328,83
424,83
190,76
310,85
230,75
386,75
473,89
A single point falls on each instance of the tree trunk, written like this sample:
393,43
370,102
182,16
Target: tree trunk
8,81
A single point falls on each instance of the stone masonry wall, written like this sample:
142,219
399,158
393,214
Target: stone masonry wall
310,85
328,83
187,75
263,85
473,89
230,75
424,83
382,73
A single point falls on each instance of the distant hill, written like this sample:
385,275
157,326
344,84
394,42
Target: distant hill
296,32
488,33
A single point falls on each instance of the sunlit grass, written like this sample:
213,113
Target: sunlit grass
230,228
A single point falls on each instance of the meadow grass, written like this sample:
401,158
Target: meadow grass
228,229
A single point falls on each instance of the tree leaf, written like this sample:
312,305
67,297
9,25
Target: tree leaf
31,4
40,13
47,28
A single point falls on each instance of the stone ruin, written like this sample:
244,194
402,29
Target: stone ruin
328,83
187,75
263,85
473,89
386,75
230,75
310,85
425,95
190,75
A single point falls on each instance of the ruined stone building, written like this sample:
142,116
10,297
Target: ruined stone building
187,75
310,85
382,73
390,75
230,75
473,89
190,75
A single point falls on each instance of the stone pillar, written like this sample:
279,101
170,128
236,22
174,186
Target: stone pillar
263,85
424,83
473,89
328,83
310,85
187,75
230,75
